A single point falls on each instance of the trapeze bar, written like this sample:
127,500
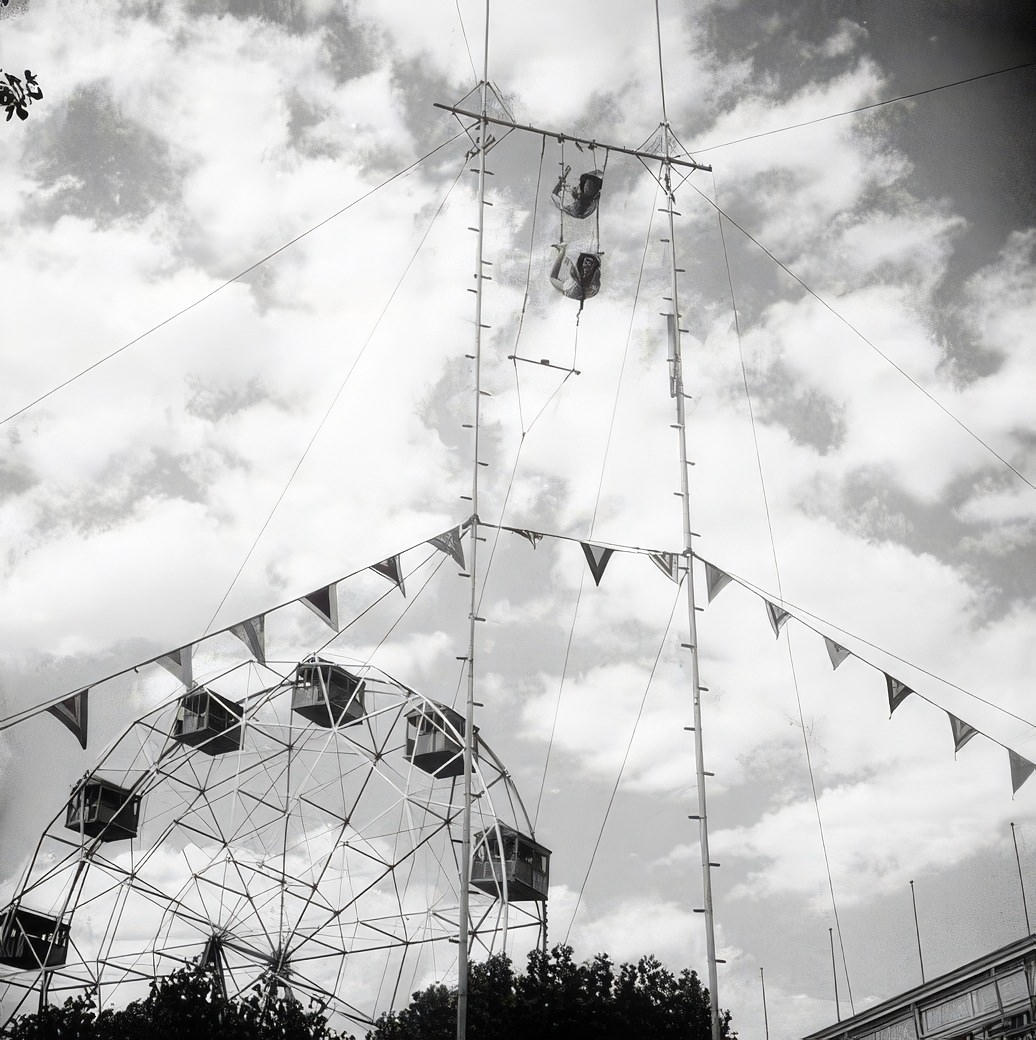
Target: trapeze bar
543,363
689,163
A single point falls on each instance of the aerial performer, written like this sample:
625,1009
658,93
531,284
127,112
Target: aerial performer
581,279
578,280
581,201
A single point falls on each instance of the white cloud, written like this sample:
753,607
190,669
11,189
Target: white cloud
133,496
879,833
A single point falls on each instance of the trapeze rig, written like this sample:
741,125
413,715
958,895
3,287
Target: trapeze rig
658,149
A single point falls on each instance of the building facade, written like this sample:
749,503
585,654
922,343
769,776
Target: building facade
989,999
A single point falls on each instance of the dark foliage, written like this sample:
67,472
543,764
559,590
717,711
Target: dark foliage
16,93
187,1005
554,999
557,999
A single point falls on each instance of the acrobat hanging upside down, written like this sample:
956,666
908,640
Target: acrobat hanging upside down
579,280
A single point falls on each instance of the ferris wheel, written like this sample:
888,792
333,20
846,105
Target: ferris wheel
305,839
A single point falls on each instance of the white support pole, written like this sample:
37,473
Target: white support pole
473,619
676,360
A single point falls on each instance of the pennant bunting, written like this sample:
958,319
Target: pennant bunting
898,692
324,603
597,557
390,569
253,634
777,615
533,537
668,563
715,580
178,662
837,653
71,713
962,732
450,543
1021,770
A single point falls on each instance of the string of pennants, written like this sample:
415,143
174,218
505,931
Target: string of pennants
672,565
71,711
898,691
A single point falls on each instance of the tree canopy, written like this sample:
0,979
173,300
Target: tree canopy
187,1005
555,998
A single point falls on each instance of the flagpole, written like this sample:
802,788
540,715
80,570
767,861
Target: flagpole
766,1020
834,974
677,388
1021,880
473,619
917,930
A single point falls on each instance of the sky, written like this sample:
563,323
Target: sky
205,415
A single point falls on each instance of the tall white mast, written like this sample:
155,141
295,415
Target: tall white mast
676,374
676,362
473,619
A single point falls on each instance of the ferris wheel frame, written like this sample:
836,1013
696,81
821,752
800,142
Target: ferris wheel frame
316,859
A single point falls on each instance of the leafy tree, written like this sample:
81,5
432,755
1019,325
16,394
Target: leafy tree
557,998
187,1005
17,93
554,999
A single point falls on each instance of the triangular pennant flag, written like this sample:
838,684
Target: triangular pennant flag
253,634
837,653
390,569
668,563
898,692
777,615
715,580
531,536
962,732
324,604
597,556
71,712
450,542
178,662
1021,770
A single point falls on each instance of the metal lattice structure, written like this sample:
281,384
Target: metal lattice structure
316,858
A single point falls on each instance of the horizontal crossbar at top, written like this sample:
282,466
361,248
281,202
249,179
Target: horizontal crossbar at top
640,153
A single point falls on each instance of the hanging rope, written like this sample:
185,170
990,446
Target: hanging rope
625,359
557,702
625,758
597,211
867,108
333,402
528,287
230,281
661,75
467,46
780,592
560,191
852,328
597,503
518,394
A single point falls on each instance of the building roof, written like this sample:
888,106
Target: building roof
913,1004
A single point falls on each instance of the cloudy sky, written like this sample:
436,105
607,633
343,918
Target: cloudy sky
262,413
